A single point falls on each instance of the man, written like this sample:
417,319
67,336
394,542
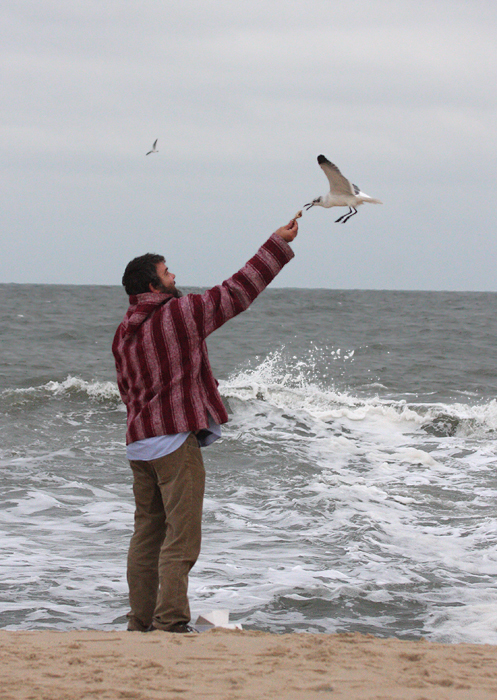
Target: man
173,408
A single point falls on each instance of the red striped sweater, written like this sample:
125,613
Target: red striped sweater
163,370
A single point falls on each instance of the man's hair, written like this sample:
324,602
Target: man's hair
141,272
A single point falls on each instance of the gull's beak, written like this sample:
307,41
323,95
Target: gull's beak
308,206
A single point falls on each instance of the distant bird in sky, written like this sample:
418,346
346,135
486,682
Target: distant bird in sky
342,192
154,150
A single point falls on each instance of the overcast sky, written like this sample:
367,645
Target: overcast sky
242,97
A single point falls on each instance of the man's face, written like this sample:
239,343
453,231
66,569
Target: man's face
166,281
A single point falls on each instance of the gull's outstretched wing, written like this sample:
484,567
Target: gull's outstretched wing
338,183
155,144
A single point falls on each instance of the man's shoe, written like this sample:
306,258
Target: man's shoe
178,628
136,626
183,628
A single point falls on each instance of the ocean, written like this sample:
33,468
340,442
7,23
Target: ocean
354,488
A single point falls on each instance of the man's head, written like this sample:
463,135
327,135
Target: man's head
148,273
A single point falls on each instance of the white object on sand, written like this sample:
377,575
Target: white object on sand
342,192
217,618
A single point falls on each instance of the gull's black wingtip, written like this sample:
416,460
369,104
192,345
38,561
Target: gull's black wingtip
322,159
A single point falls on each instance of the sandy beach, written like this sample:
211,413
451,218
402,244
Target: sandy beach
227,665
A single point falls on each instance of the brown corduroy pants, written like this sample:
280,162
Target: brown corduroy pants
169,494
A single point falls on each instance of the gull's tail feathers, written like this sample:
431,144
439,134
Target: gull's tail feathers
370,200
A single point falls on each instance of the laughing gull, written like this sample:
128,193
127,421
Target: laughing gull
342,192
154,150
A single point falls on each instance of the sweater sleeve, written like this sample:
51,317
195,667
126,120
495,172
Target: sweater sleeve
217,305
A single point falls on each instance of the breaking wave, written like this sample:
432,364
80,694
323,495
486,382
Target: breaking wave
288,384
70,387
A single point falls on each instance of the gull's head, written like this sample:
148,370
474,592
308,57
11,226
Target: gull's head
313,203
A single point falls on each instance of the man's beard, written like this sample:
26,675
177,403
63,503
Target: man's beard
174,291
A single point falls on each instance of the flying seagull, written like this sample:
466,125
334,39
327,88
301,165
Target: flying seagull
342,192
154,150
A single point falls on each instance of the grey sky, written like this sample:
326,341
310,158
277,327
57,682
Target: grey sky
243,97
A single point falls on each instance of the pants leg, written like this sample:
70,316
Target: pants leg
169,497
144,548
181,480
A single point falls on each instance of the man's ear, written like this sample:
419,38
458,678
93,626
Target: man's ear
152,288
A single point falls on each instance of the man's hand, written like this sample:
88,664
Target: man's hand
289,231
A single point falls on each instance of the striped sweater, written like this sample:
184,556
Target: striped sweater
163,370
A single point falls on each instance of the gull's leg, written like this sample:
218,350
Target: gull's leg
349,215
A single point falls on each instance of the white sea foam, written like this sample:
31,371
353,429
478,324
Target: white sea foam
324,511
373,485
71,385
98,390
